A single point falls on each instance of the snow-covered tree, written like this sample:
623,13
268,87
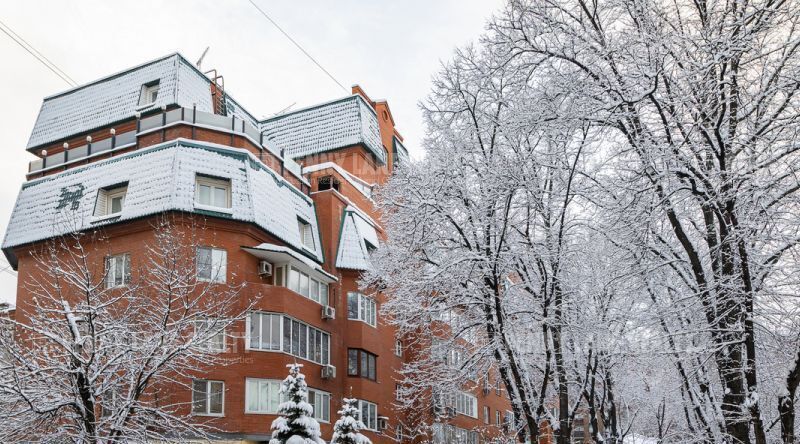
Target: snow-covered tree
98,348
347,429
295,423
611,186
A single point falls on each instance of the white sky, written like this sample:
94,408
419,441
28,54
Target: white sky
390,48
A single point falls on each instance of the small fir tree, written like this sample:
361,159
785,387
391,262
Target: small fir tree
347,428
296,423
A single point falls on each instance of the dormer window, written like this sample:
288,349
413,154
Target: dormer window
306,234
110,200
149,93
213,192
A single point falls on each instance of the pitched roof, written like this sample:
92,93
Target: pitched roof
327,127
356,232
116,97
161,178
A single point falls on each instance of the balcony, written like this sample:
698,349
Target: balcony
158,121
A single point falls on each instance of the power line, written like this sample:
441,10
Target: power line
297,44
36,54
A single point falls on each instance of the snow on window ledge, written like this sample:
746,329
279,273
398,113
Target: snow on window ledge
202,207
105,217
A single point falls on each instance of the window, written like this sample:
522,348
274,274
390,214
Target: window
321,402
149,93
398,348
110,200
262,395
215,343
328,183
369,414
306,234
361,363
118,270
275,332
497,419
207,397
466,404
399,433
397,392
486,418
213,192
361,308
307,286
211,264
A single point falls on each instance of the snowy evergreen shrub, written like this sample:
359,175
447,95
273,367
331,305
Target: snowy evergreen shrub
348,426
296,423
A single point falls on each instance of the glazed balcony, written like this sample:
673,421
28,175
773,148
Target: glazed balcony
159,123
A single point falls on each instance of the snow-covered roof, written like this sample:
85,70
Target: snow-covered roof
116,97
359,184
278,253
327,127
357,231
161,178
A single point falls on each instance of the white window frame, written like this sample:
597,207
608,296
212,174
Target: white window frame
325,398
147,92
486,415
213,184
105,197
297,286
306,231
213,344
367,309
219,265
273,384
111,275
311,334
466,404
398,348
209,383
370,423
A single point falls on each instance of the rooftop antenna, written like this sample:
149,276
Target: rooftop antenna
200,60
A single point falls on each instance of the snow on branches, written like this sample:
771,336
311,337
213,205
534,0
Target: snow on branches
295,423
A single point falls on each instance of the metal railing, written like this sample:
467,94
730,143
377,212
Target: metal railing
184,115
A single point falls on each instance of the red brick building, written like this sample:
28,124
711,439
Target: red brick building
288,203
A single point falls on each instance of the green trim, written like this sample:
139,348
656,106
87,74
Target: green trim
220,214
339,241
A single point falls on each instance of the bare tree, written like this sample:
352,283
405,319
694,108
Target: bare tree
101,348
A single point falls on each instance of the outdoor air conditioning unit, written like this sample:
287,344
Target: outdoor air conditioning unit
328,372
383,422
265,268
328,312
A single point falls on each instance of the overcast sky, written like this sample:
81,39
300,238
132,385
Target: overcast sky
390,48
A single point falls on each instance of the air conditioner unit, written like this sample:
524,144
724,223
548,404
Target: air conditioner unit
486,389
383,422
265,268
328,372
328,312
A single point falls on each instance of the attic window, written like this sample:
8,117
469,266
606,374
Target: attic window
149,93
110,200
370,248
306,235
213,192
328,183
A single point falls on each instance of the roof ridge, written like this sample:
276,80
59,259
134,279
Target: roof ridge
116,74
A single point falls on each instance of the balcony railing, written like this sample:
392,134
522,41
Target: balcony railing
189,116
